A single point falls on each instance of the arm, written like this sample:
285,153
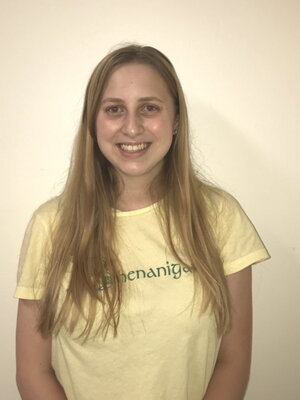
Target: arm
36,379
231,374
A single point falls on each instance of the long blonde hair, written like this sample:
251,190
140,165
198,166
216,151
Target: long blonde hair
85,235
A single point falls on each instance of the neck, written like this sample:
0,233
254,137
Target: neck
135,195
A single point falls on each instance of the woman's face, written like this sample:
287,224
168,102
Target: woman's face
136,122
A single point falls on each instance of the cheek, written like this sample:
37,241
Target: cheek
160,127
105,128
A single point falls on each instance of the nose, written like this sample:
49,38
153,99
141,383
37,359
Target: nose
132,124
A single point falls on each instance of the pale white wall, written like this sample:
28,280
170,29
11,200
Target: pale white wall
239,64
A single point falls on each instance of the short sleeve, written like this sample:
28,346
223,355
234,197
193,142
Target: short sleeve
238,241
32,260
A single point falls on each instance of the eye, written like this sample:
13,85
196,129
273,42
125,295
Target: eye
150,108
114,109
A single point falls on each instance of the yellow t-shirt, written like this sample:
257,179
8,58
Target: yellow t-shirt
163,349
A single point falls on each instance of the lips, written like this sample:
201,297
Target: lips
133,147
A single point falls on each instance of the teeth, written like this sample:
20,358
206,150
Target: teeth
131,148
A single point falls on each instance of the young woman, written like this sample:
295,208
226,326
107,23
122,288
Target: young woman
135,283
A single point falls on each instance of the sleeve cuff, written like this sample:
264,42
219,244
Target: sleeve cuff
246,261
22,292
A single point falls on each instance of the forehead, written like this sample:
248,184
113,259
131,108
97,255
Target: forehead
135,76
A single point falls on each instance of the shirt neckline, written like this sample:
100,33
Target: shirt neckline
139,211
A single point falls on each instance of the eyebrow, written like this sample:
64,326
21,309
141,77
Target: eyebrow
118,100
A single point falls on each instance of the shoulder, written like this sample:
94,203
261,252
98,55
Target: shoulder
235,236
224,213
46,214
219,202
49,209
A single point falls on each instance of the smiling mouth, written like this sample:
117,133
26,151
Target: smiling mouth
133,148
